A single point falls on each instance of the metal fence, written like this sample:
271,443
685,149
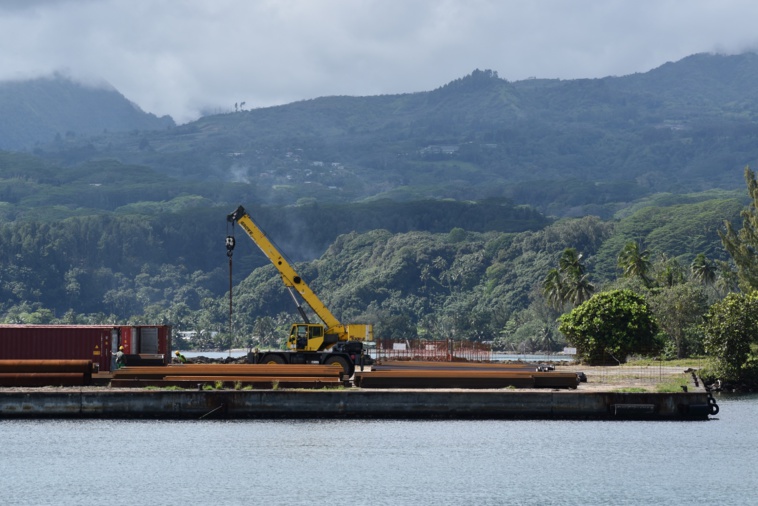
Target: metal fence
432,351
631,374
453,351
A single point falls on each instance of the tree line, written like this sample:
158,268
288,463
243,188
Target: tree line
709,308
531,290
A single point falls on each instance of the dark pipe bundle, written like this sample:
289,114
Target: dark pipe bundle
40,373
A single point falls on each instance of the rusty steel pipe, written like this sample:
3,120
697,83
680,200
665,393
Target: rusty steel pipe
422,373
242,379
50,366
253,382
42,379
463,379
453,366
228,370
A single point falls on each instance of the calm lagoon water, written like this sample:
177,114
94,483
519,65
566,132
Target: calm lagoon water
358,462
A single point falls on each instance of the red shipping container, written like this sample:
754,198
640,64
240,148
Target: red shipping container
146,344
98,343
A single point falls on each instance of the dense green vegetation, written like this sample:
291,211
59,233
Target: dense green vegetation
483,210
484,286
610,326
731,326
434,269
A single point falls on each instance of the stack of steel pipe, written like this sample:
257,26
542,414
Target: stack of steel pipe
40,373
454,366
461,375
256,375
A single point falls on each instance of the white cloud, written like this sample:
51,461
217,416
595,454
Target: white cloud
181,58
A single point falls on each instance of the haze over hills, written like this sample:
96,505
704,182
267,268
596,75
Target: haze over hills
39,110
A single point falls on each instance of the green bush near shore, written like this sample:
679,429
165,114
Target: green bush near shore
747,374
673,385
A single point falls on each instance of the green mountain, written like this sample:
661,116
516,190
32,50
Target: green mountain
450,203
568,147
40,110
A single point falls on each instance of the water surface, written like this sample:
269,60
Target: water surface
314,462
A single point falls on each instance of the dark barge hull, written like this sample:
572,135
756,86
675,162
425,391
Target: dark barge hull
354,404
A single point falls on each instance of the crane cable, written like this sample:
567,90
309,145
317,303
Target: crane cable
230,242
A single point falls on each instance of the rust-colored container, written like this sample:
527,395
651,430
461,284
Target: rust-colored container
98,343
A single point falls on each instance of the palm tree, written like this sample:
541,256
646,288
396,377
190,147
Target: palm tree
568,283
635,262
728,279
577,286
703,270
553,289
579,290
545,339
264,333
669,272
570,263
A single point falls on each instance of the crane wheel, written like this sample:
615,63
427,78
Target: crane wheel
272,359
338,362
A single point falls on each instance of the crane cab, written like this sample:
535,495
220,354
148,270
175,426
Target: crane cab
310,337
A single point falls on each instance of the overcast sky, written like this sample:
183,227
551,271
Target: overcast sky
187,57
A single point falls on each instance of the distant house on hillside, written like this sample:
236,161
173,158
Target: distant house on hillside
440,149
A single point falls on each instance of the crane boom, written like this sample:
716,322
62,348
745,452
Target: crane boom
318,337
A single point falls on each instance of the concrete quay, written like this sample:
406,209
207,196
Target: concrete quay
353,403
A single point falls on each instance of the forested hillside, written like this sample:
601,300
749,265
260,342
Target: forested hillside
113,239
452,212
472,284
172,269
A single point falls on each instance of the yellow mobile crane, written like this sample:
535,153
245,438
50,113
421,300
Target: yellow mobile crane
330,343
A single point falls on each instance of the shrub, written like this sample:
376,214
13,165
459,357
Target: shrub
729,327
610,326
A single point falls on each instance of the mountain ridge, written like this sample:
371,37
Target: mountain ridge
41,109
684,126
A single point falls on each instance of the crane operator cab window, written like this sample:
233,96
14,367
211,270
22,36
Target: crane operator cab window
300,335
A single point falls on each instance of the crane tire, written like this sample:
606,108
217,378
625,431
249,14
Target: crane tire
338,362
272,359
